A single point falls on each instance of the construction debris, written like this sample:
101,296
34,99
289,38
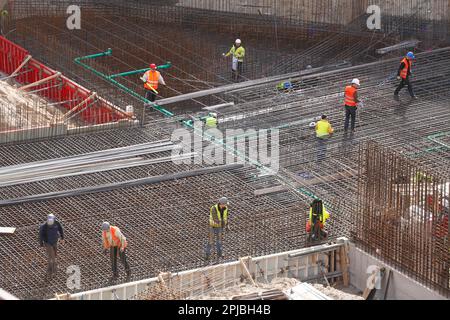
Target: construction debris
335,293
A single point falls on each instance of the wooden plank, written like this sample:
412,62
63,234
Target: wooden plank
7,230
246,272
344,265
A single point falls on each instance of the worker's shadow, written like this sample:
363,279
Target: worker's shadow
348,141
401,108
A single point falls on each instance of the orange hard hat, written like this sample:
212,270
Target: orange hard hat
153,66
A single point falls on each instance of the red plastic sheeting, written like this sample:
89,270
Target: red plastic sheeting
56,90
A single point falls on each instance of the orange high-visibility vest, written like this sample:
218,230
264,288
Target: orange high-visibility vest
153,80
115,240
350,99
404,72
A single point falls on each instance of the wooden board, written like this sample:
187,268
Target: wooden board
7,230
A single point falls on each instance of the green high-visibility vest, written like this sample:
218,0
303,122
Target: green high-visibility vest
238,53
223,219
211,122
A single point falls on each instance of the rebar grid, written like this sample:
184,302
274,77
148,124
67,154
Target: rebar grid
165,233
402,215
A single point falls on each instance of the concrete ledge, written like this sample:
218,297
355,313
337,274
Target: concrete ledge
401,287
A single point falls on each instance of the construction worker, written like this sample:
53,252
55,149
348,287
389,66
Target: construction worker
115,241
351,104
218,222
238,53
285,86
152,79
323,132
318,216
404,72
211,120
49,234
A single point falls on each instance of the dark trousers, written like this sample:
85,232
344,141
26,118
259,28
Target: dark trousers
114,252
317,232
405,82
321,148
150,95
51,254
237,74
350,113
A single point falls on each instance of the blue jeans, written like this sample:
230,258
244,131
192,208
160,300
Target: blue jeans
214,234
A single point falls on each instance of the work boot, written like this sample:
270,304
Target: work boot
396,97
414,97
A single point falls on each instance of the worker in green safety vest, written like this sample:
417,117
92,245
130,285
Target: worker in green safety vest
218,222
211,120
237,51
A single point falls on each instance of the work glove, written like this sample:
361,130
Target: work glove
62,241
399,78
142,78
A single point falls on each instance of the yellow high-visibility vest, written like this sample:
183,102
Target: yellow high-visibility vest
211,122
238,53
323,129
325,215
224,218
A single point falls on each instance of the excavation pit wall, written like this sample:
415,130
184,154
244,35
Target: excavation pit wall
303,265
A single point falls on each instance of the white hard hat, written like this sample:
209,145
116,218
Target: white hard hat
312,124
238,41
213,114
355,81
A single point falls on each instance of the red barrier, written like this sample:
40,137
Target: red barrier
59,89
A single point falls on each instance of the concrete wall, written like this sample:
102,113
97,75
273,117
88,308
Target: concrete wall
32,134
401,287
60,130
327,11
302,264
318,11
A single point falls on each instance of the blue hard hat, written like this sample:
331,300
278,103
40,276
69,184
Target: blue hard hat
410,55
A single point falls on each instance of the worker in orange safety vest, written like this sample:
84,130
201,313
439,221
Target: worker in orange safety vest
152,79
351,104
404,73
115,241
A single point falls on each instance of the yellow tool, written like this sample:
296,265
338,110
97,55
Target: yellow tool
153,89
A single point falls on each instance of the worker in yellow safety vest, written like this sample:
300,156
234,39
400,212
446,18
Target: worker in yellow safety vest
323,132
318,216
211,120
152,79
237,52
218,222
115,241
